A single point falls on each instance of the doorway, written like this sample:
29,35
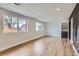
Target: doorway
64,30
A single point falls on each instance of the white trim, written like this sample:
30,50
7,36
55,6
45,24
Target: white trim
71,29
74,49
71,41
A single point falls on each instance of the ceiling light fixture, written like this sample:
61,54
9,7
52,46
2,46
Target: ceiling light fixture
58,9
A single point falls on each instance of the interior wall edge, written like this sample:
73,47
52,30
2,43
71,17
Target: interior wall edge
74,49
12,46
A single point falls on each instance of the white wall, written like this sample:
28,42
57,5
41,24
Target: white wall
71,40
54,29
11,39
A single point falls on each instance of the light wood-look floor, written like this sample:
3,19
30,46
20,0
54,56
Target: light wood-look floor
47,46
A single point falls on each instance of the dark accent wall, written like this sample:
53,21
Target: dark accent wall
75,16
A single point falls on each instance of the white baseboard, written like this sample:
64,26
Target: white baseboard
74,49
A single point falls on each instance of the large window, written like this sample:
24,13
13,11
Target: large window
13,24
39,26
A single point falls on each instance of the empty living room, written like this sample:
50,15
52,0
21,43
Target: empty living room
39,29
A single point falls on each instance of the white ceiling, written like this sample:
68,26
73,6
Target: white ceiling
42,11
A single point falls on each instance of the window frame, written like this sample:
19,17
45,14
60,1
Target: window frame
40,29
4,20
